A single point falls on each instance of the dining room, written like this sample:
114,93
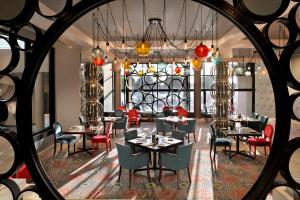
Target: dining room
142,99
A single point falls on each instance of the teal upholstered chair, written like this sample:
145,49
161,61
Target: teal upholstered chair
120,124
60,138
130,135
218,141
263,122
178,134
190,127
178,161
162,126
130,161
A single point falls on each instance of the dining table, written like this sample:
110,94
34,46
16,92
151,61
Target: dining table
144,140
81,130
175,120
238,133
244,119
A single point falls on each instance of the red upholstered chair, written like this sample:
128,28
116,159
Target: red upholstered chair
182,112
178,108
103,138
23,173
262,142
123,108
133,116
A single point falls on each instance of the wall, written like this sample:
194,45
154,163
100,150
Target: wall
108,88
67,84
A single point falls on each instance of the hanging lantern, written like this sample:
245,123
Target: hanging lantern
216,58
97,52
196,64
98,61
151,69
201,51
143,48
126,71
178,70
126,64
140,73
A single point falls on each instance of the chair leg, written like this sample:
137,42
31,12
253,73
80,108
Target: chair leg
254,152
68,149
110,145
74,147
211,144
225,150
189,174
54,149
60,147
215,149
195,137
120,172
160,171
106,148
130,174
177,176
93,149
250,150
148,173
265,150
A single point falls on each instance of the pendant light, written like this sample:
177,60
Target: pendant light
143,48
201,50
97,52
196,64
216,57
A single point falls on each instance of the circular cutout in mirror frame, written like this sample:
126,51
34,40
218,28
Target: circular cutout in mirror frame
238,17
242,8
292,146
15,57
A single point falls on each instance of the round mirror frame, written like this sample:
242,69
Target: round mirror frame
238,16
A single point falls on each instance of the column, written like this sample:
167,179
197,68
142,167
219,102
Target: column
117,87
197,94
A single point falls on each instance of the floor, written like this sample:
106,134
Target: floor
81,176
84,177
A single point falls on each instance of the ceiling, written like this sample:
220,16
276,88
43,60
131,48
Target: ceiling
153,8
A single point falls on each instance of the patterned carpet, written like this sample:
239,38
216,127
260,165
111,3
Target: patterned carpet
81,176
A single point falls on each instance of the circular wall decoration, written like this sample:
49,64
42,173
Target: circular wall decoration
49,15
292,147
280,26
239,17
11,59
11,138
8,185
261,11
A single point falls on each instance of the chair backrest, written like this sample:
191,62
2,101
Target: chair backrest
178,134
108,129
130,134
119,113
184,154
212,131
166,108
178,108
133,113
190,127
263,122
167,112
268,132
182,112
159,123
124,153
57,129
123,108
254,115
